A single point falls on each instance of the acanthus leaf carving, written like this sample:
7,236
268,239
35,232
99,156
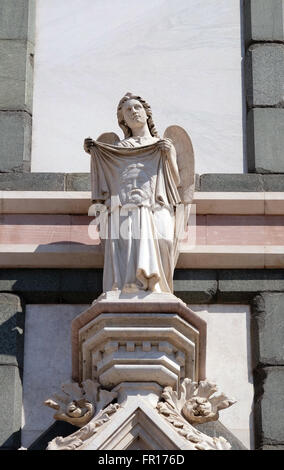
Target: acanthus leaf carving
78,404
196,403
76,439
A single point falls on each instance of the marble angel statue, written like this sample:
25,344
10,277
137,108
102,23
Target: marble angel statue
145,184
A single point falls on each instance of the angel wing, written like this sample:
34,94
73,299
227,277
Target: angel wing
185,161
108,138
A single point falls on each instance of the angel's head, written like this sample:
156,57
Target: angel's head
133,111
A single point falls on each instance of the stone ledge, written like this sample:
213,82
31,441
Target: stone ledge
247,182
208,182
78,286
73,255
82,286
32,181
242,285
280,447
79,202
194,286
211,182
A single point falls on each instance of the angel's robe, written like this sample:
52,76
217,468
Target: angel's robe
138,186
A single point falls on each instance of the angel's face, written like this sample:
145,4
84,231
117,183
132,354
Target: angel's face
134,114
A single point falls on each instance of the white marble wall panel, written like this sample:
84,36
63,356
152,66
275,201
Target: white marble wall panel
48,362
183,56
228,362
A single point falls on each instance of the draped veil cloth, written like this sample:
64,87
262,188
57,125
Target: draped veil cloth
138,186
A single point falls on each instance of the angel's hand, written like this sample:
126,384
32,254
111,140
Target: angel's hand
88,144
165,145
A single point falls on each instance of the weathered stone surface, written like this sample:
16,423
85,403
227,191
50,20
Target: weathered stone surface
10,407
32,181
213,182
192,286
11,330
265,140
263,20
16,75
230,182
273,183
241,285
78,182
17,19
265,75
268,326
195,286
269,406
272,447
15,141
53,285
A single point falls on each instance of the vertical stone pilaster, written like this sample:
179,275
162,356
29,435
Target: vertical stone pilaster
17,25
11,366
268,357
264,74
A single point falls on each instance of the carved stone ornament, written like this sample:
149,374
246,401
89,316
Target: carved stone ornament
197,403
79,404
76,439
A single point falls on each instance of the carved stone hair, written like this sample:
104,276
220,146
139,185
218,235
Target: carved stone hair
122,124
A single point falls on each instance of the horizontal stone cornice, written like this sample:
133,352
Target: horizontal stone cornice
78,202
69,255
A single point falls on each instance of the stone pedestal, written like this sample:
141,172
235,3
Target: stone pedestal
148,337
139,377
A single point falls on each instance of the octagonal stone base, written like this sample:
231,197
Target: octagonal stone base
145,337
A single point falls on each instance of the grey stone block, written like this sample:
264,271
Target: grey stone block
231,182
78,182
11,330
269,406
265,140
265,75
263,20
241,285
273,183
17,19
272,447
16,75
268,328
195,286
78,286
32,181
15,141
10,407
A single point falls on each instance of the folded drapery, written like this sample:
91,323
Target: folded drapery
138,186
